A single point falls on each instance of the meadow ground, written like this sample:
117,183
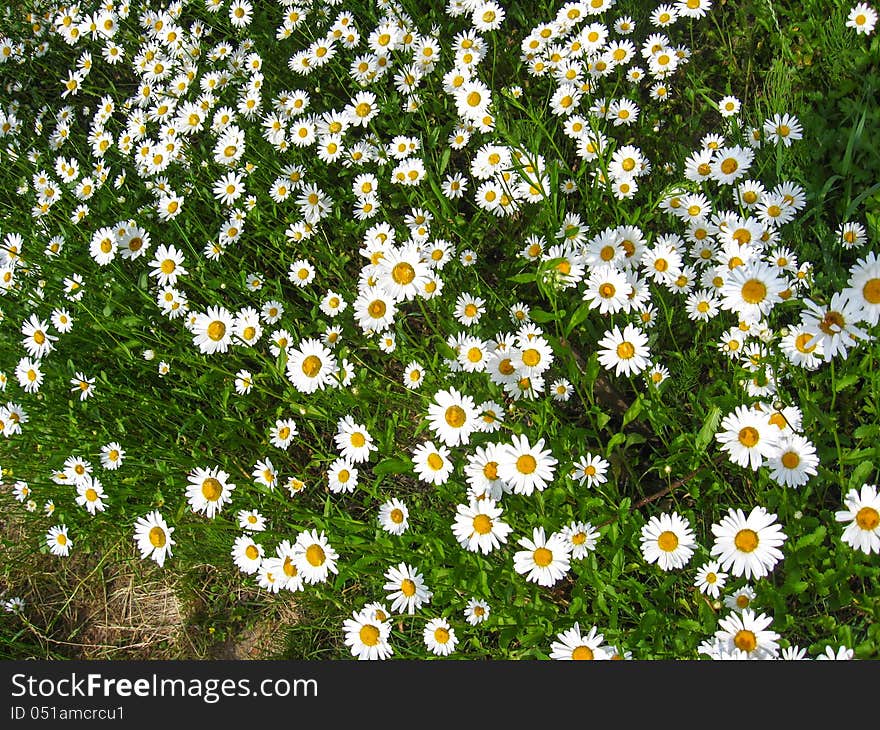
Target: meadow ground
400,329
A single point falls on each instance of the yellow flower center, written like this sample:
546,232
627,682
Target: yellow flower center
667,541
746,540
251,552
211,489
626,351
369,635
482,524
216,330
377,309
543,557
582,653
311,366
396,516
729,166
871,291
455,416
754,291
749,436
157,537
868,518
526,464
790,460
315,555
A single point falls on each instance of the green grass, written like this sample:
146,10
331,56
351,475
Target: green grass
660,442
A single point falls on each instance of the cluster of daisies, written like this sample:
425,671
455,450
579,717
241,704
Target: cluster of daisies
199,130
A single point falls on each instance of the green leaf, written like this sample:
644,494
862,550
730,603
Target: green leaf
393,466
846,381
521,278
540,316
632,413
707,430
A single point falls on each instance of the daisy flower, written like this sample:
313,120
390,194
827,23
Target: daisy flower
834,324
153,537
740,599
452,417
247,554
795,463
544,560
394,517
439,637
668,540
367,636
432,463
310,366
252,520
590,470
58,541
477,526
212,331
314,557
476,611
625,352
862,512
748,634
862,18
783,128
208,490
572,644
112,455
407,589
750,545
525,467
710,579
581,538
353,440
90,494
747,437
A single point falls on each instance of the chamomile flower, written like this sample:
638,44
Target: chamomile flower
153,537
710,579
573,644
367,636
406,589
58,540
342,476
439,637
413,375
394,516
90,494
544,560
748,546
862,512
749,635
208,490
740,599
668,540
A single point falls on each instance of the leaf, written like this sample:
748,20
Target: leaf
521,278
632,413
541,317
861,473
846,381
393,466
580,315
813,538
707,430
